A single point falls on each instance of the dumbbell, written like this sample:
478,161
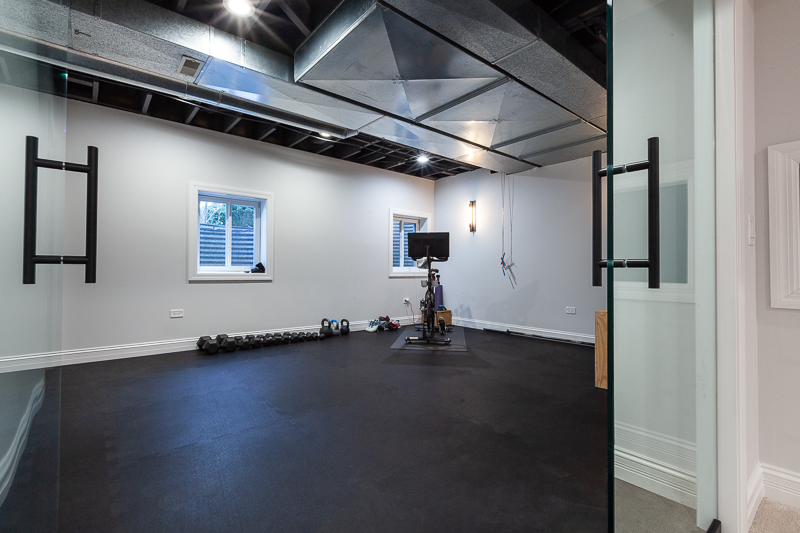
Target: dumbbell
287,337
239,340
315,336
258,340
250,341
210,346
301,337
295,338
201,341
227,344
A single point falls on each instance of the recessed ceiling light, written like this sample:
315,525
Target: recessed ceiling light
323,134
422,159
240,8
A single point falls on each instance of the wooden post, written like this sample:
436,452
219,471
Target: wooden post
601,349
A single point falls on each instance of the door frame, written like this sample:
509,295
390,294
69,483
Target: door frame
736,324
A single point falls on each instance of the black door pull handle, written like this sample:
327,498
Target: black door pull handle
653,261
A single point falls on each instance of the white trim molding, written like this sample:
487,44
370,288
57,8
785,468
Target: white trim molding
541,332
656,462
755,493
775,483
784,225
425,226
13,363
10,460
781,485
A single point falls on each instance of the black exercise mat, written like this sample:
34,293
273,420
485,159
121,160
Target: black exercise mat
457,341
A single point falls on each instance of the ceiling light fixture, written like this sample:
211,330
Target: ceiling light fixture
240,8
422,158
324,134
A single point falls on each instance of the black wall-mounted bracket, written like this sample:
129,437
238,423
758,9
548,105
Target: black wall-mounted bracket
32,165
653,261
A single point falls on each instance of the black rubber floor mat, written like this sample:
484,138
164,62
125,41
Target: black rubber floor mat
457,341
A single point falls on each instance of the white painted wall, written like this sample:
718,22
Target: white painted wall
777,120
331,234
552,250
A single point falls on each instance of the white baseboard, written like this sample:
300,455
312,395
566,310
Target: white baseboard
106,353
781,485
552,333
10,460
755,493
657,463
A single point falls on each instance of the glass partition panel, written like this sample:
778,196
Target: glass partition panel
661,86
33,105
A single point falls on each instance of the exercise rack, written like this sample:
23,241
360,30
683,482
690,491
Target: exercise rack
32,165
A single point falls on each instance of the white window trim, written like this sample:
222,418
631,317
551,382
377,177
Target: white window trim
784,225
267,238
425,226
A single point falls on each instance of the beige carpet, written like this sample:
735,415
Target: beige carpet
774,517
641,511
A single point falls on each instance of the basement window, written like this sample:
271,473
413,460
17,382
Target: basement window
402,224
230,234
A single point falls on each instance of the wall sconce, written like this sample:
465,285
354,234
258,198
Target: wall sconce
472,213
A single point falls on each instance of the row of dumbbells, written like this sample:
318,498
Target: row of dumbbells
224,343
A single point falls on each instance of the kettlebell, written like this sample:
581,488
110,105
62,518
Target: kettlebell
335,327
345,327
326,330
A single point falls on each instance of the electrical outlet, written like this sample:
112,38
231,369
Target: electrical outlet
176,313
406,301
571,310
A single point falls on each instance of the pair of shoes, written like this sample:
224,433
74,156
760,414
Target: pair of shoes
384,323
373,326
393,325
258,269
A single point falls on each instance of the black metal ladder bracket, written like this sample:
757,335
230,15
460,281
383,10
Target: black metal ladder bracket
653,261
32,165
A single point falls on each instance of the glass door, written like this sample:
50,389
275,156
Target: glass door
661,286
34,126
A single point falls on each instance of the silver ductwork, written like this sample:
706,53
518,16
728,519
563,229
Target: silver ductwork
139,43
368,67
369,52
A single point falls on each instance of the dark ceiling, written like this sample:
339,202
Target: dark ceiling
361,148
282,25
585,20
